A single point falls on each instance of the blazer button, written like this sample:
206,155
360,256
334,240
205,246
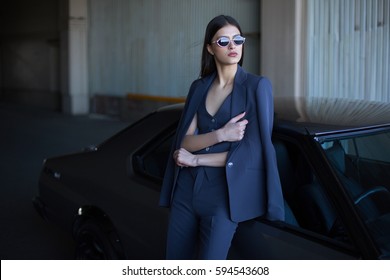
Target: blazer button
230,164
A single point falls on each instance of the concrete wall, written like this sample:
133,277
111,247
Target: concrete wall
30,52
279,29
63,58
153,47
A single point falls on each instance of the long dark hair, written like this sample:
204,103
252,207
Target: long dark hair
208,63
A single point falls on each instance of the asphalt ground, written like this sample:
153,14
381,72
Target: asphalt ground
28,136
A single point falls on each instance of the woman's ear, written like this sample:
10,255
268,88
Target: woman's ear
209,49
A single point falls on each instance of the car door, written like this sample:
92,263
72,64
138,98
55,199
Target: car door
312,229
258,239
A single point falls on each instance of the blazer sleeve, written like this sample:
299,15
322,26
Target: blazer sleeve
171,168
265,115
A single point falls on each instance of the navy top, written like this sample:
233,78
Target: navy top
208,123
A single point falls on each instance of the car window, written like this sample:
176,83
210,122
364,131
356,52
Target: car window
362,164
155,161
151,160
372,147
310,206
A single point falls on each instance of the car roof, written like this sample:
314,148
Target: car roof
319,115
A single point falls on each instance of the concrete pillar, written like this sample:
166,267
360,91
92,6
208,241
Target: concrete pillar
76,98
283,48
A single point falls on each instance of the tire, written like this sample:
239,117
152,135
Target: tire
94,242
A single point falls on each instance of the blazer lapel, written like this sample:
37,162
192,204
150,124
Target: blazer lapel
199,94
239,97
239,93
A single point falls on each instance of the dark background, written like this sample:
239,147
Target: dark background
28,136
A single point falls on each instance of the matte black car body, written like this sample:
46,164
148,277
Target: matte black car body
107,197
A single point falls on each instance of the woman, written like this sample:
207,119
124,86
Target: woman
223,167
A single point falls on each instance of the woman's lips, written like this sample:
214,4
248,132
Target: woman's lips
233,54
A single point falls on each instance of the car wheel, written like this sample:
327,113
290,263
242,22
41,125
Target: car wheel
93,242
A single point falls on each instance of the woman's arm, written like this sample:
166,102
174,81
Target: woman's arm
184,158
232,131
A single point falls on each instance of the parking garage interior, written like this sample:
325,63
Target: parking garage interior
73,72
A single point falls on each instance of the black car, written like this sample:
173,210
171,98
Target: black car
334,164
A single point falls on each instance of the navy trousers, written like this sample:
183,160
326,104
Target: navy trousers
200,225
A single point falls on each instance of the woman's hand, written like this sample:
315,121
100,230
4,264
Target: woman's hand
234,129
184,158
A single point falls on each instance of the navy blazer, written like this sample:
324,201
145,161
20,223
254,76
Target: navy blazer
251,169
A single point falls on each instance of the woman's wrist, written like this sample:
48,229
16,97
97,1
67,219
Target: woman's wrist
220,135
196,160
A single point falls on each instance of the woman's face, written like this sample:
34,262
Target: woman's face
230,54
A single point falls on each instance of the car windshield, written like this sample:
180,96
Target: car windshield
362,164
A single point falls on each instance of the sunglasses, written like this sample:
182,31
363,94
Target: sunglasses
225,41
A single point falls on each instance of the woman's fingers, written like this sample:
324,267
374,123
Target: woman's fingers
237,118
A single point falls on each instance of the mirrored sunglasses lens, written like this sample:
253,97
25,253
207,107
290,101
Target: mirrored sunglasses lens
223,42
239,41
